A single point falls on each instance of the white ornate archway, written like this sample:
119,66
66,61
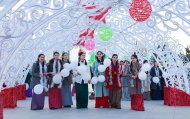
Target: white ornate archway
40,24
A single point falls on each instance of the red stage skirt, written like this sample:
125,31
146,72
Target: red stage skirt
137,102
55,99
102,102
176,97
1,105
21,92
10,98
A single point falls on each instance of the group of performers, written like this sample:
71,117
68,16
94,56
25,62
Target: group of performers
121,82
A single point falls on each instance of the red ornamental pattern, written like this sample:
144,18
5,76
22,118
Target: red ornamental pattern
10,97
140,10
176,97
21,92
137,102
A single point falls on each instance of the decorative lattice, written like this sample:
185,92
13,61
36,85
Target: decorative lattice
47,25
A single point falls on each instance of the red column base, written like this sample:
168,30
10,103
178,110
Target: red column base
176,97
1,105
137,102
10,98
21,92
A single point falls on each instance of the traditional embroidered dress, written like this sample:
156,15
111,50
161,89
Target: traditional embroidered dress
137,101
125,92
156,89
134,84
101,91
66,89
81,88
114,74
146,87
38,100
55,99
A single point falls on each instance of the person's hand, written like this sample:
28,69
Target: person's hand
52,73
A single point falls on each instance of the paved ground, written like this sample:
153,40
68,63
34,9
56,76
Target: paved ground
154,110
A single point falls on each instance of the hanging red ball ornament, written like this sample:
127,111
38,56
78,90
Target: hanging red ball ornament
140,10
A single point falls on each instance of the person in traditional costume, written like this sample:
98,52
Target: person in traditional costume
39,74
146,85
133,71
54,67
81,84
125,92
101,91
92,94
114,74
66,84
29,82
29,76
156,88
135,87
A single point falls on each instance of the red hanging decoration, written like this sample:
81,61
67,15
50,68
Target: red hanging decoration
89,7
100,10
91,34
84,33
140,10
100,16
104,21
82,43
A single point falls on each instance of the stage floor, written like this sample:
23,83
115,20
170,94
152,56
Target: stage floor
153,110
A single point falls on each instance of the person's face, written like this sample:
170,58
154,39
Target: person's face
99,55
56,56
126,63
114,58
65,56
155,64
42,58
82,57
133,60
122,63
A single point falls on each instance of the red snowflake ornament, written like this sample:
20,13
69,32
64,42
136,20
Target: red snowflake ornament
140,10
